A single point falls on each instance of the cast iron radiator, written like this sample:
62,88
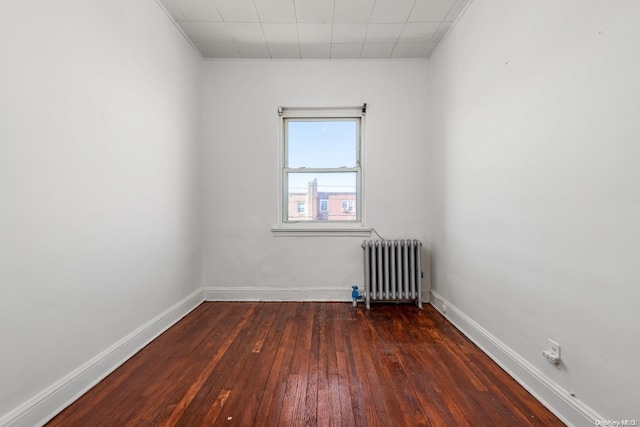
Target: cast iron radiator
392,271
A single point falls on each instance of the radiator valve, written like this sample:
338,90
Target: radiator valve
355,294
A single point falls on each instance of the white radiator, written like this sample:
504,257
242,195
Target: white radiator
392,271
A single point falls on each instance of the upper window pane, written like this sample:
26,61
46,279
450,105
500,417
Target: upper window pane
322,143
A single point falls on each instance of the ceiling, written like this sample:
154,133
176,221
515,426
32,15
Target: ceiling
315,29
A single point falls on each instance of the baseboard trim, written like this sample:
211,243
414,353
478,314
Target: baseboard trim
338,294
255,294
570,410
45,405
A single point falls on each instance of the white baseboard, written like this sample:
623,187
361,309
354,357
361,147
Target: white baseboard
248,293
570,410
341,294
49,402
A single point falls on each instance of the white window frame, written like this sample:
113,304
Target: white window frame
291,227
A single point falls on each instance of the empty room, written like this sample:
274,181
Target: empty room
319,212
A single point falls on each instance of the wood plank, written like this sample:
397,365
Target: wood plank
300,366
313,364
310,406
341,392
270,408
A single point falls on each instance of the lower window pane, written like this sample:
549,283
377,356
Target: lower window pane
322,196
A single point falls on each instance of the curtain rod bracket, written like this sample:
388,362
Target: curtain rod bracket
280,111
364,109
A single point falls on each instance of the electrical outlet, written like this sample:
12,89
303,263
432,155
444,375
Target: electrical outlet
552,354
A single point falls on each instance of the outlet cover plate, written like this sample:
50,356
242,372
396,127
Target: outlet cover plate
554,348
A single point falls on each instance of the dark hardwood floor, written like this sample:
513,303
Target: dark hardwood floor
296,364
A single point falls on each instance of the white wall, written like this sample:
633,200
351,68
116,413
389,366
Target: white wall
537,187
242,258
100,218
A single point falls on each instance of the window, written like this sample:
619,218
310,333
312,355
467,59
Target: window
300,207
322,163
347,206
321,166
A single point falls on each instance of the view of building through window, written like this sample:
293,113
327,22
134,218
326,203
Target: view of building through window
322,203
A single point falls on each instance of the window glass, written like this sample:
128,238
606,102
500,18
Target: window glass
324,193
326,143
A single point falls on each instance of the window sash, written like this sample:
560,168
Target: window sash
358,138
357,203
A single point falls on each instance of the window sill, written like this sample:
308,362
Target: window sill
312,230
